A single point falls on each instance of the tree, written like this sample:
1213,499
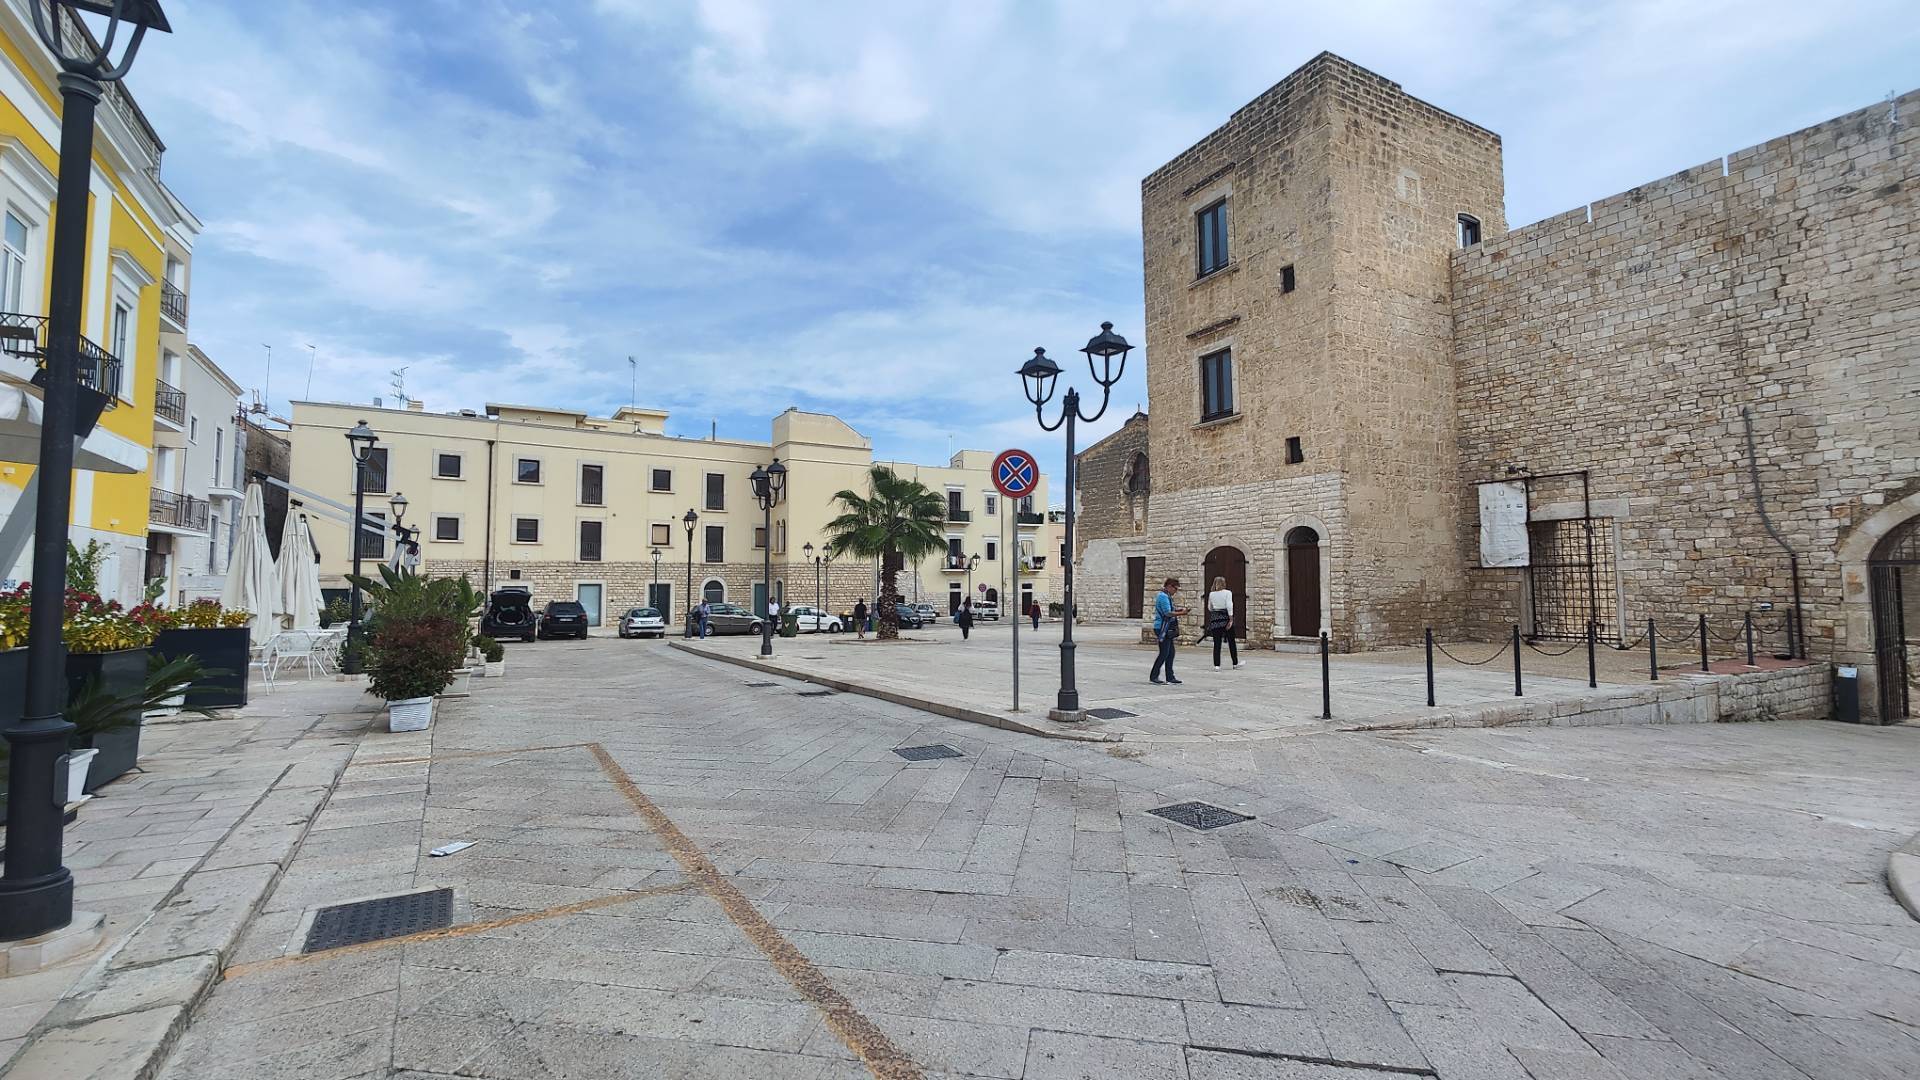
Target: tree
898,519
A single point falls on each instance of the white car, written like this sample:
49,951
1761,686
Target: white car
986,609
928,613
811,620
643,622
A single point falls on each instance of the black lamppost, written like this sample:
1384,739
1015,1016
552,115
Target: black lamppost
403,537
769,483
361,440
1037,376
972,562
653,592
36,889
819,562
688,523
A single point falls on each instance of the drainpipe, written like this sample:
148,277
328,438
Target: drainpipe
1798,644
486,571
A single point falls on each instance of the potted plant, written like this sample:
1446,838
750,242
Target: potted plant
495,656
215,636
410,658
106,710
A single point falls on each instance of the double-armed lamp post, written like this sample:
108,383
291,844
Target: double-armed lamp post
769,484
36,889
361,439
819,562
1106,356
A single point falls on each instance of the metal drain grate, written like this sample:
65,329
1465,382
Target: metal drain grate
927,753
1110,714
1199,815
379,919
762,684
815,693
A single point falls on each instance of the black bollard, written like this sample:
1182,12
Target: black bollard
1593,673
1429,667
1653,654
1750,662
1516,659
1704,666
1326,687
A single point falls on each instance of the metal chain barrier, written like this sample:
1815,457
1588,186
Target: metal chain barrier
1473,663
1562,652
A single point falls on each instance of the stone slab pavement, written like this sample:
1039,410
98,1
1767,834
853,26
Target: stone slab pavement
1272,695
683,869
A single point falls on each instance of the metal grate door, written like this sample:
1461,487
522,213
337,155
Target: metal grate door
1571,579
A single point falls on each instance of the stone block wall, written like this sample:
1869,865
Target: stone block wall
1111,518
1627,337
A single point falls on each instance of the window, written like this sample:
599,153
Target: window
662,480
716,543
954,499
993,504
13,266
1294,454
376,471
1216,385
993,551
447,466
213,538
193,429
593,485
716,491
590,541
373,545
122,321
1026,504
759,537
1469,230
1213,238
526,530
526,470
446,527
714,592
1286,279
662,536
219,446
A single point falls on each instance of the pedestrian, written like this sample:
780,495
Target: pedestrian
1166,629
705,616
1034,610
964,618
1220,621
773,617
860,618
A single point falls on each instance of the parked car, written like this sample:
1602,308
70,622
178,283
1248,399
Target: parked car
909,617
812,620
510,614
928,613
986,609
563,618
732,619
643,622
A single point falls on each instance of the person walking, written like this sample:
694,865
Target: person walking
860,618
773,616
1220,621
705,616
964,619
1166,629
1033,609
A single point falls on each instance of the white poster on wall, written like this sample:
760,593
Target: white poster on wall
1503,523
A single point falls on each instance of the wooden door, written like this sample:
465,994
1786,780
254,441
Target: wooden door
1303,583
1136,587
1229,563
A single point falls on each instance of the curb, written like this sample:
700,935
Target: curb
1903,874
955,712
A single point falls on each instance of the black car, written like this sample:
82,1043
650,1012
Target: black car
563,618
510,615
910,619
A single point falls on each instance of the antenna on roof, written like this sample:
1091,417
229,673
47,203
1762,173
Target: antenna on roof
399,385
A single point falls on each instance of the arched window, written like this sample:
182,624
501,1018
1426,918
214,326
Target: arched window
714,591
1469,230
1139,478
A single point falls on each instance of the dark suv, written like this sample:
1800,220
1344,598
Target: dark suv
563,618
510,615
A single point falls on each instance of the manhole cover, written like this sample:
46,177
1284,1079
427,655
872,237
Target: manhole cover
1110,714
927,753
814,693
762,684
1199,815
379,919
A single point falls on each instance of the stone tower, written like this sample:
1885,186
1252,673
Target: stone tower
1299,335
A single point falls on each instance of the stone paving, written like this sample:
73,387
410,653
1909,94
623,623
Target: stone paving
679,874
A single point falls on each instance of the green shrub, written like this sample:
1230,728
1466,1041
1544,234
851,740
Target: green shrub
490,650
414,656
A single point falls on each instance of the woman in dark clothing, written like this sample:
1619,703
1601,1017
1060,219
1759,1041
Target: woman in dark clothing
860,618
1034,611
964,618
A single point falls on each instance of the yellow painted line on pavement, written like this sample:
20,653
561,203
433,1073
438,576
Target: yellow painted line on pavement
861,1035
502,923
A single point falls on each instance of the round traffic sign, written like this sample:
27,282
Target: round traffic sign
1015,473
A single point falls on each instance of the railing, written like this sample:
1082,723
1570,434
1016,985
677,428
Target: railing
26,335
169,402
179,511
173,302
1027,518
956,562
954,513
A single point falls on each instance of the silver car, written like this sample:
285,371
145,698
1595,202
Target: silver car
928,613
643,622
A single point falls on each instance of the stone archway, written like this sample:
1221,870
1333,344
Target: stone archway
1858,555
1229,562
1893,587
1305,590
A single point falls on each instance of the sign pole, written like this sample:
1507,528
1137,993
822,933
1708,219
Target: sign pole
1015,476
1004,551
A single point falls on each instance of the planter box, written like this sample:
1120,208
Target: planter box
461,685
122,672
496,668
223,652
410,714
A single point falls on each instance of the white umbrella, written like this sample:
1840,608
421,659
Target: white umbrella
297,577
251,585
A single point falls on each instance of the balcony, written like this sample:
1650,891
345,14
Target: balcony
26,336
1025,517
171,512
1033,564
173,304
954,564
170,404
956,514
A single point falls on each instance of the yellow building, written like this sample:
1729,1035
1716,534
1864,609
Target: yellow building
574,507
139,246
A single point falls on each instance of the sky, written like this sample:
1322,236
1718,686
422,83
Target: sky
872,209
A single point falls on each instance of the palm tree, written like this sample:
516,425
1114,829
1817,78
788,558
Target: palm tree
898,519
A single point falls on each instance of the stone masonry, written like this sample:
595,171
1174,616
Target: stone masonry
1111,526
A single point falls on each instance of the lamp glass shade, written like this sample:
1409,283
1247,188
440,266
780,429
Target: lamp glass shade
361,439
145,13
1037,376
399,505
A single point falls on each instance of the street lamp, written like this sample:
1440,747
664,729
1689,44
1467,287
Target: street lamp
361,441
36,889
819,562
403,542
653,591
769,483
1038,376
689,522
972,561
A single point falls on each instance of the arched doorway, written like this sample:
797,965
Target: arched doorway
1303,582
1229,563
1893,576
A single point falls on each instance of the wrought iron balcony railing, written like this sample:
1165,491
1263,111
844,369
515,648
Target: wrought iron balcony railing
956,562
26,335
173,302
169,402
954,513
179,511
1026,518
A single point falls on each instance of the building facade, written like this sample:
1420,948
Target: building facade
139,248
575,507
199,476
1110,525
1350,352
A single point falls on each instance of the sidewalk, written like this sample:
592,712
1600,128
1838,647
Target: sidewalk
177,855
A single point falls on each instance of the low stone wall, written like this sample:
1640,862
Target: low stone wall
1795,693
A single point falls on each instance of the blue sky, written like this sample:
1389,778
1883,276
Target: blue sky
872,209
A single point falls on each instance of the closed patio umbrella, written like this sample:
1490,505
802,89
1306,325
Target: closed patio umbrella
297,576
251,583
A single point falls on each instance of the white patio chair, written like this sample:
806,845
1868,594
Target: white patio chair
293,648
262,657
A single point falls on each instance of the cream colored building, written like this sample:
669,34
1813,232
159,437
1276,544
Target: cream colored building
575,507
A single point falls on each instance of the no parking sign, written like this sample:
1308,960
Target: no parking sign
1015,473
